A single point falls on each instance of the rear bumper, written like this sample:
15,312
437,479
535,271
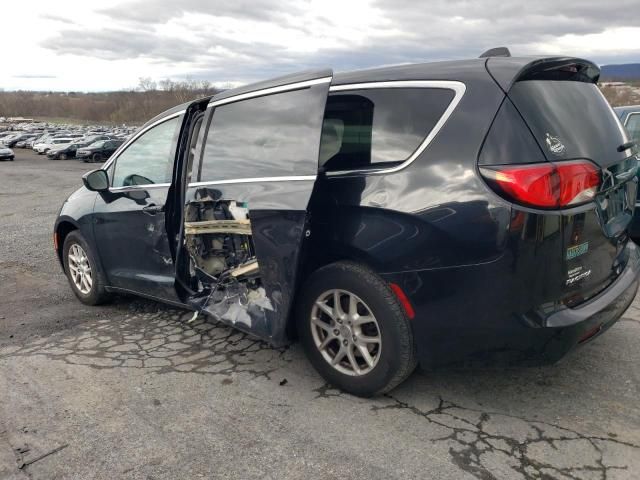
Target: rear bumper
470,316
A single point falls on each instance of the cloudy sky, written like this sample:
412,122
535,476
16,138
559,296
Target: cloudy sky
108,45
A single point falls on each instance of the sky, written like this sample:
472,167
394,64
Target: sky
70,45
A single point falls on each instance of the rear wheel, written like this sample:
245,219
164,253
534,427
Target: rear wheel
96,157
83,271
63,156
354,331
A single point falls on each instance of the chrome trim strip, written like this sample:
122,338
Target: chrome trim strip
138,187
458,88
293,178
125,145
269,91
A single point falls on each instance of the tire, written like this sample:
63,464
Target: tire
12,158
63,156
96,157
392,359
96,294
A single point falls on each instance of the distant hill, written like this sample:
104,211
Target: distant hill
625,72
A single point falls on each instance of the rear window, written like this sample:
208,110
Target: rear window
570,120
378,127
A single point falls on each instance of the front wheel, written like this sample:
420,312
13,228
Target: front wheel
354,331
63,156
97,157
83,271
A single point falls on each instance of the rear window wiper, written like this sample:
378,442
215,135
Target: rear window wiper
626,146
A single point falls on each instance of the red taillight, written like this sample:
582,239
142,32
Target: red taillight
545,185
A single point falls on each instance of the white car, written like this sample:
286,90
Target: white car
44,147
6,153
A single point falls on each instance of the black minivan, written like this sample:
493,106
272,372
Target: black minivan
448,214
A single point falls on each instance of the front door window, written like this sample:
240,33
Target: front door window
149,159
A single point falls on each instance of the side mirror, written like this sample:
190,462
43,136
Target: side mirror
96,180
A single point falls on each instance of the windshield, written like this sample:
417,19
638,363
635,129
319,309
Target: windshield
99,144
633,127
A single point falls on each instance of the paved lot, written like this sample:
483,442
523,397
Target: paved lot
131,390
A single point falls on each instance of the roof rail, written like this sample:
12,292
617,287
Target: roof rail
496,52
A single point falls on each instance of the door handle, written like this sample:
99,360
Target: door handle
152,209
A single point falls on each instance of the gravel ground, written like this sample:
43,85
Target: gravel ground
131,390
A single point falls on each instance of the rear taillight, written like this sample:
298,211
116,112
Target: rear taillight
545,185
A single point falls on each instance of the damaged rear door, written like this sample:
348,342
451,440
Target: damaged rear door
245,212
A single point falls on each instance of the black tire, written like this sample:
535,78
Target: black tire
96,157
397,357
12,158
97,294
63,156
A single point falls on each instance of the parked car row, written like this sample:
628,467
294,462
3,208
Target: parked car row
62,142
630,117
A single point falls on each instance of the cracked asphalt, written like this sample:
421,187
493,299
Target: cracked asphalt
133,390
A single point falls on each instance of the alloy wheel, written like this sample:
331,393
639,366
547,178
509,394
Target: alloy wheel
346,332
80,269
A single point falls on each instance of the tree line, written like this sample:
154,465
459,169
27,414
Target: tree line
151,98
134,106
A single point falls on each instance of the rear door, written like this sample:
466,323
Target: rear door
571,120
245,214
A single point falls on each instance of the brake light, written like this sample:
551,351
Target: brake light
545,185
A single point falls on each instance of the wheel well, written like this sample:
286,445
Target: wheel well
310,262
63,229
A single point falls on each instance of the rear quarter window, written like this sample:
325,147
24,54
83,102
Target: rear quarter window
373,128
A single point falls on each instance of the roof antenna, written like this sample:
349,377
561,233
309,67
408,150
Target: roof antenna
496,52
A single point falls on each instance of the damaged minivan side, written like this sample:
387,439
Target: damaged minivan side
444,214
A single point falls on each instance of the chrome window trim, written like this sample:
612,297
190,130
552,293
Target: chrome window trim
291,178
126,144
459,90
146,186
270,91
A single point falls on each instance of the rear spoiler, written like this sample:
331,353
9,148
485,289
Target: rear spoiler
508,70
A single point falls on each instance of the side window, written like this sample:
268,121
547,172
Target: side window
378,127
270,136
149,159
633,127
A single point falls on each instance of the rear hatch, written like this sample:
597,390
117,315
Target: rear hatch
579,133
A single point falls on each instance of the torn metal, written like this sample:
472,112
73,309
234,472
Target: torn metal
218,238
